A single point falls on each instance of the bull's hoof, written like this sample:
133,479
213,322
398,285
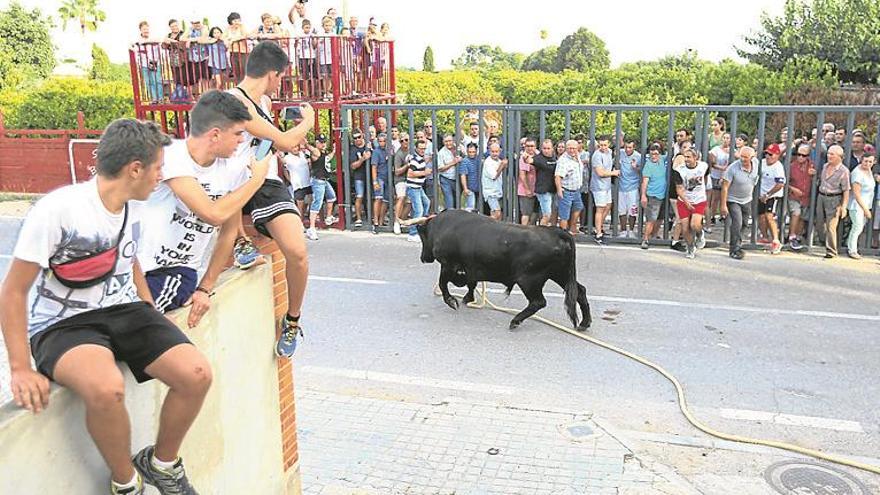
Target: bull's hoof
452,302
467,299
584,326
514,324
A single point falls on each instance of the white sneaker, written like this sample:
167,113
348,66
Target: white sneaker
397,227
413,238
622,234
701,241
312,234
328,221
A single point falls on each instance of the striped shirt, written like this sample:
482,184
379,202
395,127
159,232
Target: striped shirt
416,164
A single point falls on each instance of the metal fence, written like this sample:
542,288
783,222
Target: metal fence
642,124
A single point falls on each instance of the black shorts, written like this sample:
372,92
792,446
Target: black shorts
271,200
136,333
768,207
300,194
526,206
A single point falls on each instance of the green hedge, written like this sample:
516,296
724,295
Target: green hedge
53,103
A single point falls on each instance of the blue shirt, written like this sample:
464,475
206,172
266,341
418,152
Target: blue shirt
379,160
470,167
629,176
656,174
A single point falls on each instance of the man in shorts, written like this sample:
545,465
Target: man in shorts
772,189
690,186
202,188
652,192
400,162
525,187
545,182
493,180
602,162
84,318
628,190
271,209
799,190
569,177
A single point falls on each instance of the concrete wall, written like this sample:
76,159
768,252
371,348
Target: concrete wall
235,446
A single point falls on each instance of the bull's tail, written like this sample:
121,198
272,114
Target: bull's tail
571,285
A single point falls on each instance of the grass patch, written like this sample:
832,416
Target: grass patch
12,196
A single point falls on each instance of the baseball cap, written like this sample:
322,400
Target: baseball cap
774,149
322,138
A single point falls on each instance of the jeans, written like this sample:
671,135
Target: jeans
152,83
359,187
738,220
321,189
470,201
420,205
570,201
828,216
857,217
545,200
448,187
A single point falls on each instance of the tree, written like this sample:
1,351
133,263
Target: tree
428,60
543,60
86,12
485,57
839,33
26,42
581,51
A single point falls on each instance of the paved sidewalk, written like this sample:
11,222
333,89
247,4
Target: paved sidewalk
357,445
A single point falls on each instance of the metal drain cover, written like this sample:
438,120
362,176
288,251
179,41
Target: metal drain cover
812,478
580,431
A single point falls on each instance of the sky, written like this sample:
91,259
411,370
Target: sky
632,29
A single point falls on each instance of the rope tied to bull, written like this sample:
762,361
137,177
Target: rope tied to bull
483,302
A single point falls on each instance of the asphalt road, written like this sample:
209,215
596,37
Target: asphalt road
781,347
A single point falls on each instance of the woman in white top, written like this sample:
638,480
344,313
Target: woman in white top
860,202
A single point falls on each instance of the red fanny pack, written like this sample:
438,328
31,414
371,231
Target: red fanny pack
90,270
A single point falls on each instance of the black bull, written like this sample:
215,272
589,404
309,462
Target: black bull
473,248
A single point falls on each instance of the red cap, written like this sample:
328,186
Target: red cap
774,149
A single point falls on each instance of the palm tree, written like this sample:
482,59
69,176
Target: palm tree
86,12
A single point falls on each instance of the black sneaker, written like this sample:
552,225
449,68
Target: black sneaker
678,246
738,254
600,240
170,482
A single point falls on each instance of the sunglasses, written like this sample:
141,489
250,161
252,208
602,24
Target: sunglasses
803,154
405,140
358,137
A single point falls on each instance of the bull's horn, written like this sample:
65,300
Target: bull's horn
414,221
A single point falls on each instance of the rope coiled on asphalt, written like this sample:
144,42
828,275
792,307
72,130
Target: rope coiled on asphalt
679,389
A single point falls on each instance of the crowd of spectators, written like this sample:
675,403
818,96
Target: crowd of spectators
561,183
194,55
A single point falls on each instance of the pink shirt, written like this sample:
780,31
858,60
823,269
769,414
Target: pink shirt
531,175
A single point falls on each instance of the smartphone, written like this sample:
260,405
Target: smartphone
263,149
293,113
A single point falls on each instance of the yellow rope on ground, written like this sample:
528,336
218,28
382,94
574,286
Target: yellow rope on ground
679,389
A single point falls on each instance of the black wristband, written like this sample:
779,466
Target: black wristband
206,291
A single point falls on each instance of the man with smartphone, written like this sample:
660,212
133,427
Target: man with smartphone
202,188
272,209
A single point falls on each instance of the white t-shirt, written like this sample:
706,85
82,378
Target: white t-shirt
175,236
297,166
492,187
70,223
245,151
770,176
722,159
694,181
